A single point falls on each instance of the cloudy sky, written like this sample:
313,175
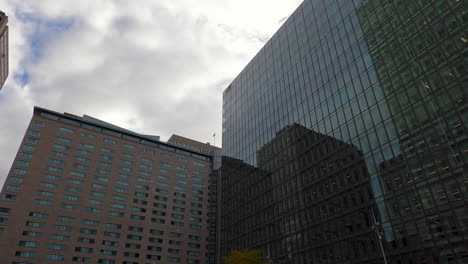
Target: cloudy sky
152,66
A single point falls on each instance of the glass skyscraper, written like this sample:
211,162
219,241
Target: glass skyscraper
345,137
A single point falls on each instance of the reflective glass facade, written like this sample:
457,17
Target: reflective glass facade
345,137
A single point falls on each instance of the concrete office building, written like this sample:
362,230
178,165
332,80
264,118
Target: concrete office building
3,48
82,190
345,137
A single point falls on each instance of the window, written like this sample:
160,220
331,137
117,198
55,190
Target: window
76,182
48,185
177,216
178,209
101,179
197,191
28,148
182,159
64,140
112,234
54,169
30,244
71,197
93,210
146,160
69,206
123,183
135,229
32,234
129,146
78,174
177,201
51,177
181,181
38,215
106,157
12,188
161,191
165,155
45,193
95,202
97,194
173,259
177,194
90,136
90,222
123,176
132,245
163,184
197,179
42,202
167,165
119,198
86,145
144,166
14,179
59,237
120,190
198,164
84,152
63,228
127,155
19,171
107,140
68,130
103,171
25,254
99,186
56,247
55,257
175,242
59,154
32,140
88,231
106,150
79,166
104,164
180,188
113,226
39,123
81,159
83,249
110,243
148,151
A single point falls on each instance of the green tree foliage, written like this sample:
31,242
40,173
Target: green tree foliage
244,256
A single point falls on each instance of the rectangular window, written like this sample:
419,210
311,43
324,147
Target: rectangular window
90,136
106,150
110,141
129,146
28,148
39,123
68,130
64,140
84,152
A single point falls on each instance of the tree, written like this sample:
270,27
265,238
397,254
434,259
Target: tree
244,256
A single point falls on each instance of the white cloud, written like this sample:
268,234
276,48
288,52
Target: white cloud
157,67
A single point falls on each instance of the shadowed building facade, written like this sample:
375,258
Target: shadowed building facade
82,190
3,48
348,129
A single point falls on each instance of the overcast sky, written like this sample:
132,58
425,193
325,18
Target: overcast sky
153,66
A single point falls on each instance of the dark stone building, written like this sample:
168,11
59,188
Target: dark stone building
3,48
